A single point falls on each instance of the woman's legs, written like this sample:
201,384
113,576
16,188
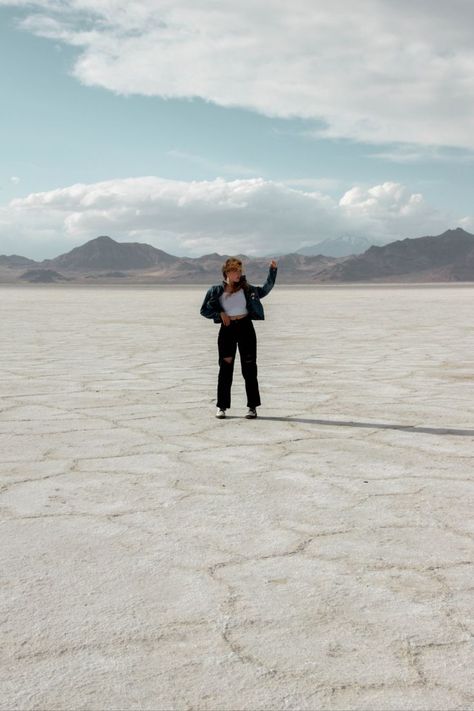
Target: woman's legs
227,346
247,341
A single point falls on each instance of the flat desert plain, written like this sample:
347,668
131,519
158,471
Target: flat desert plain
319,557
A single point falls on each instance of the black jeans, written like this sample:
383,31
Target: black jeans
239,333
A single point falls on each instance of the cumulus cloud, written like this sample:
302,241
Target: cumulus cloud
253,216
391,209
375,71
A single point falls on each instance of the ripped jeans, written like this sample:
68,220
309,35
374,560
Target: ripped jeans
239,333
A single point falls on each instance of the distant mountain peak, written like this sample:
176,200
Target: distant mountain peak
101,241
15,261
456,231
103,238
103,252
342,246
445,257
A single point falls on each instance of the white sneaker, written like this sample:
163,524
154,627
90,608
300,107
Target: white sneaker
251,414
220,414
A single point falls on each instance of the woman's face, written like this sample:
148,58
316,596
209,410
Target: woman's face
233,275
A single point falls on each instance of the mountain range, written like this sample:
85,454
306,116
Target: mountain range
343,246
448,257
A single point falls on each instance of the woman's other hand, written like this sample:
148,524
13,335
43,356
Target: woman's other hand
225,318
273,264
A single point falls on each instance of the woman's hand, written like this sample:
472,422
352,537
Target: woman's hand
273,264
225,318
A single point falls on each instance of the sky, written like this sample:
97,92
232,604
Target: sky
257,127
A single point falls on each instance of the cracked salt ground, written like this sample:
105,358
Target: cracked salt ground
320,557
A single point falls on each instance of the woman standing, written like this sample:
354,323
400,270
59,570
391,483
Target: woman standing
235,304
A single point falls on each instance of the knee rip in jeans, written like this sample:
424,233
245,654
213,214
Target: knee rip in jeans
228,360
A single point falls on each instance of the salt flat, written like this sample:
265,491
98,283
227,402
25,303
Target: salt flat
319,557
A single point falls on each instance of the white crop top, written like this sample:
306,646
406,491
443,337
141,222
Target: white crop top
234,304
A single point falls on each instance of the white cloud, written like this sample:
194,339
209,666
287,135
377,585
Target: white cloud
192,218
15,179
411,154
392,211
375,70
467,223
314,184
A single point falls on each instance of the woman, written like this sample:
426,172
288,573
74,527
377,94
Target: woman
234,304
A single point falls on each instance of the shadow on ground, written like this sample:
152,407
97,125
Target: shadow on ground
367,425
